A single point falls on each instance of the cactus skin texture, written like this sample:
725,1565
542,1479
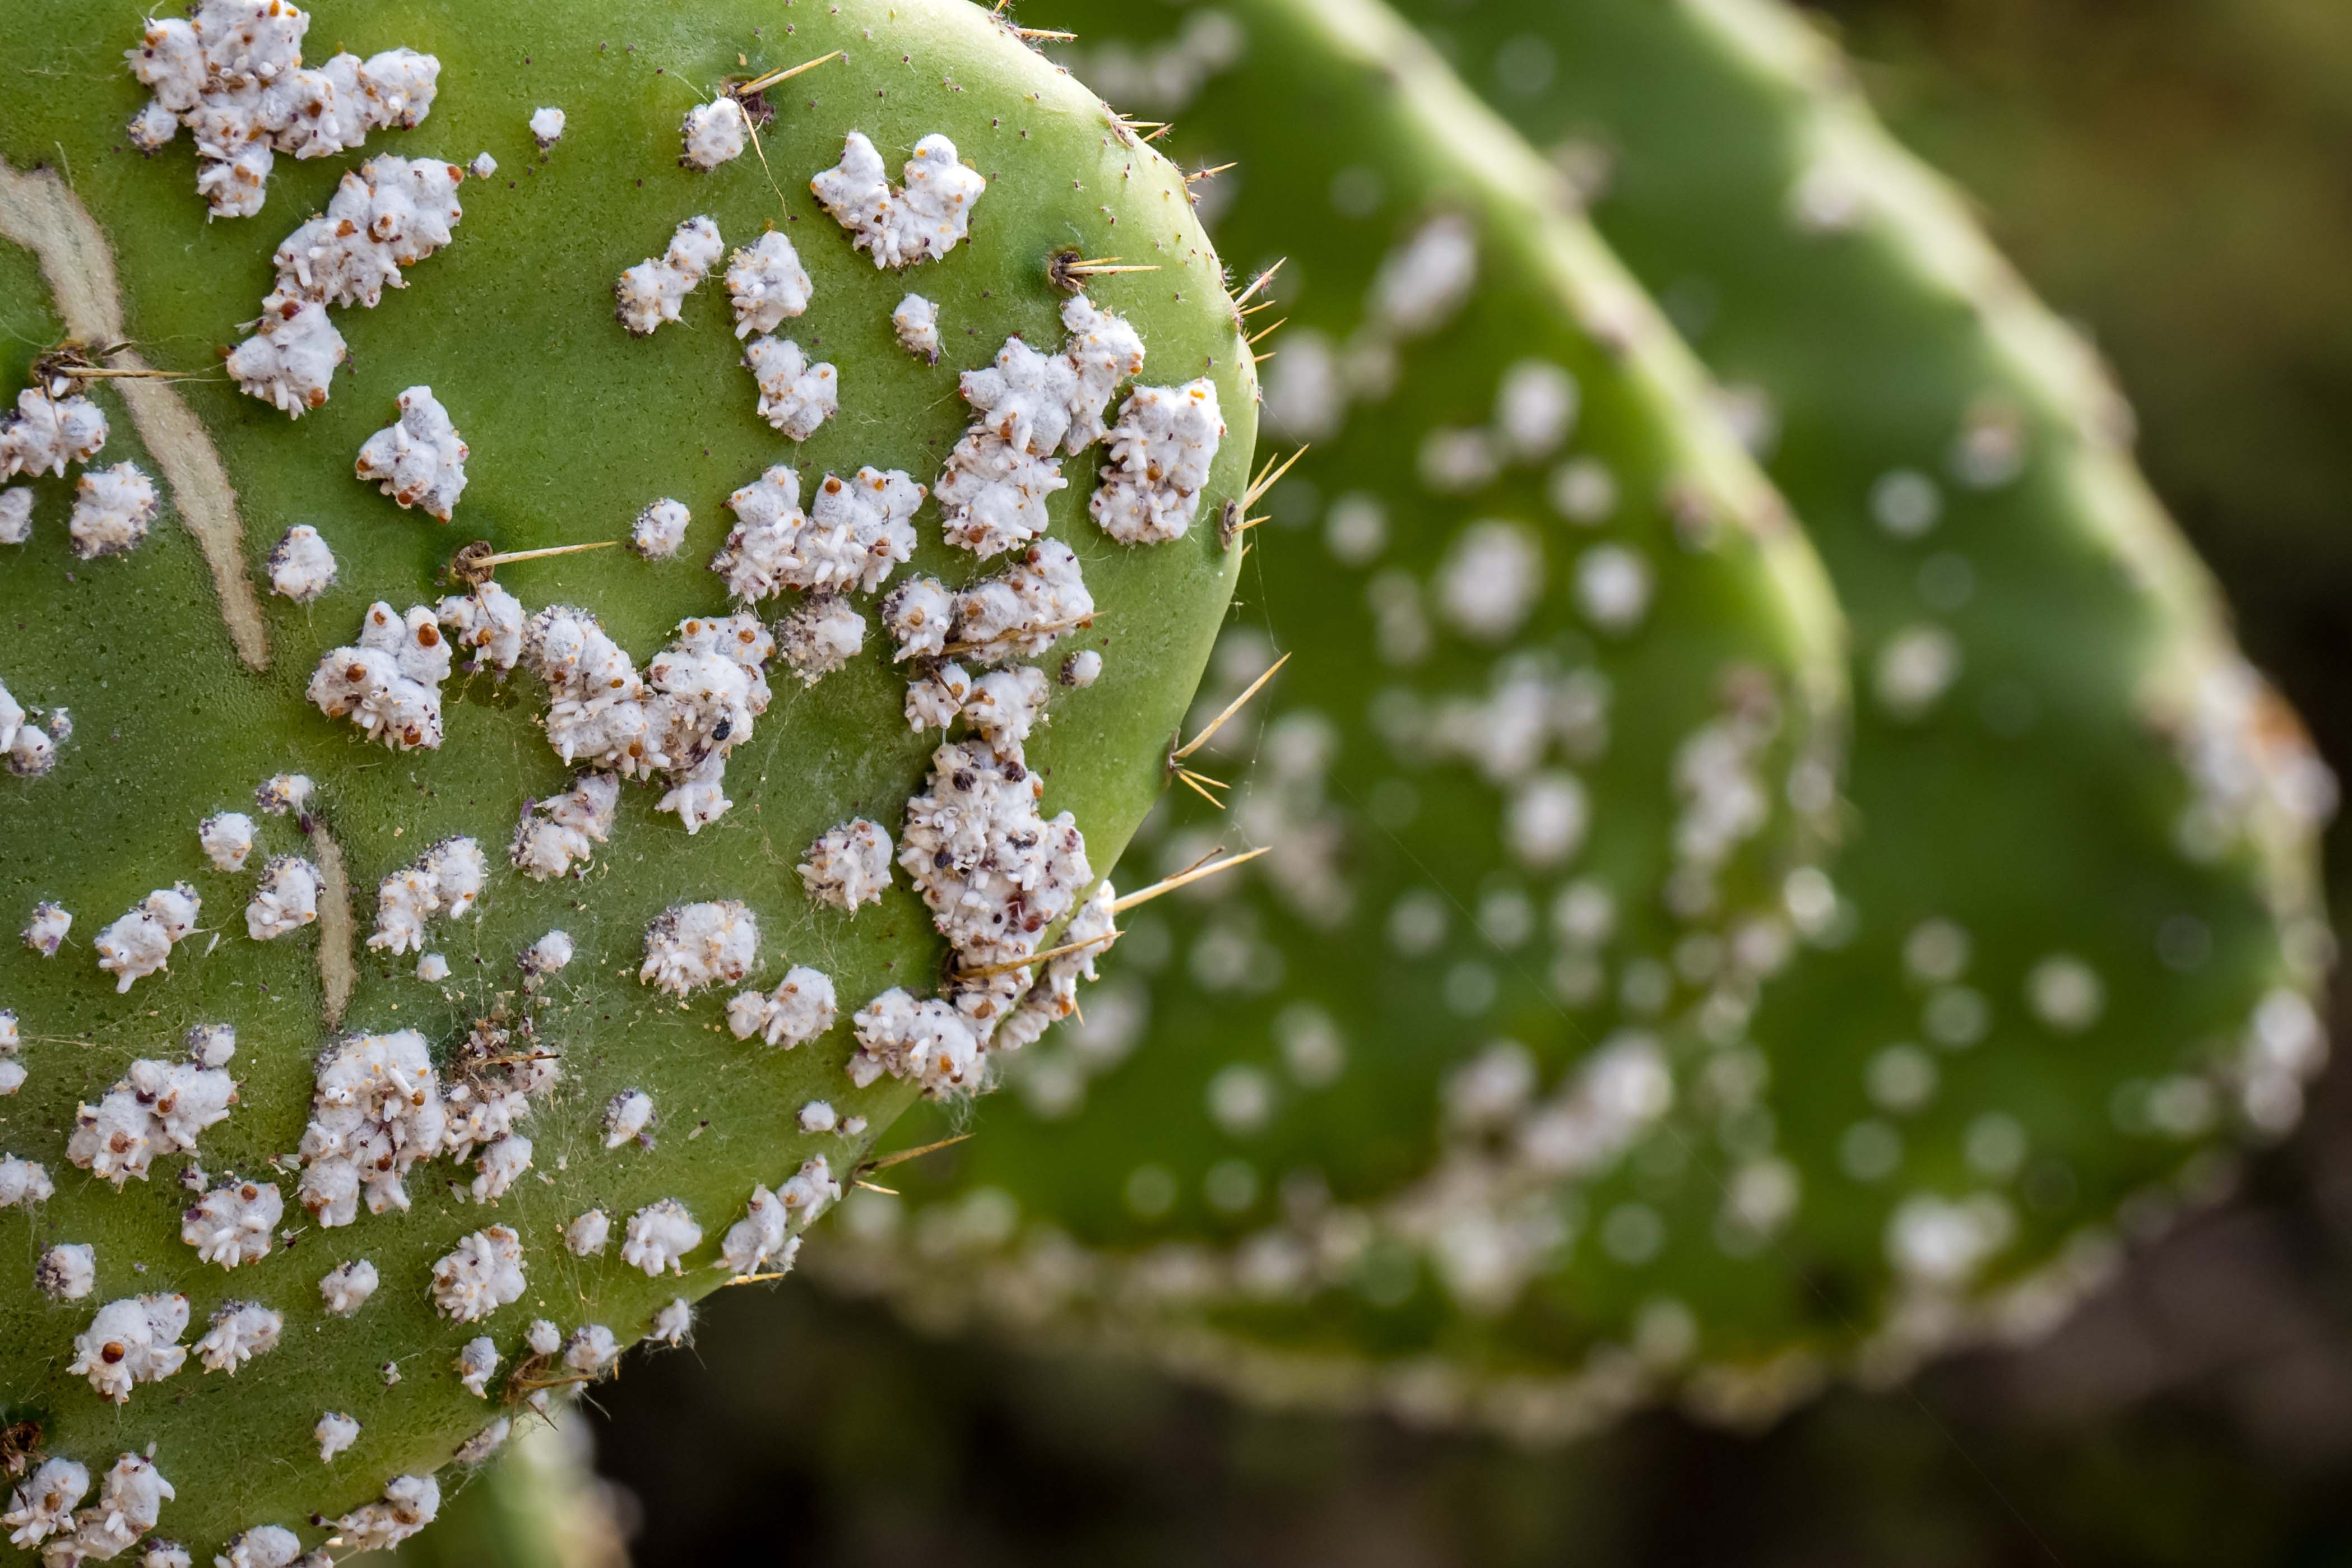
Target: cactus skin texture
573,426
1316,1143
2075,938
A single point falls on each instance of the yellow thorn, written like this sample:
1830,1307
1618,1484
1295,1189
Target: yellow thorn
1268,476
903,1155
1194,782
1197,742
474,564
1208,173
1264,332
869,1186
1260,282
1048,955
1183,879
761,84
1163,130
1048,35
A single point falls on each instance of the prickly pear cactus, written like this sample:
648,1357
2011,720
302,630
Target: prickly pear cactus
442,963
2062,970
1538,791
2077,935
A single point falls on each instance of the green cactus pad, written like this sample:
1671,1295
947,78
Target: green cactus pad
2078,930
2064,969
1560,664
189,682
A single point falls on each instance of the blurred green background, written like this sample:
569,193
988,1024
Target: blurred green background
2176,175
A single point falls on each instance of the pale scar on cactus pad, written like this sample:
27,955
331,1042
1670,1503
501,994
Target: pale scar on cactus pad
436,975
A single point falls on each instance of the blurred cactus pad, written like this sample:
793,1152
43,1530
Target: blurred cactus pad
441,961
1407,1116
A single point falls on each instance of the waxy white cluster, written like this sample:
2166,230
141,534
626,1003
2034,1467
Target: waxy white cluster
855,531
626,1116
798,1010
345,1287
140,942
1161,453
848,865
286,900
23,1183
67,1272
925,1039
131,1498
263,1546
824,634
46,432
487,624
233,74
766,283
388,214
1005,705
659,532
714,133
390,684
444,881
130,1341
30,749
694,704
1019,613
920,221
557,835
282,794
227,840
797,394
1028,408
761,1237
592,1349
689,946
1054,997
484,1443
113,509
916,323
494,1078
377,1111
334,1432
649,293
659,1237
45,932
418,460
233,1223
409,1503
482,1273
994,873
302,567
239,1331
290,360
